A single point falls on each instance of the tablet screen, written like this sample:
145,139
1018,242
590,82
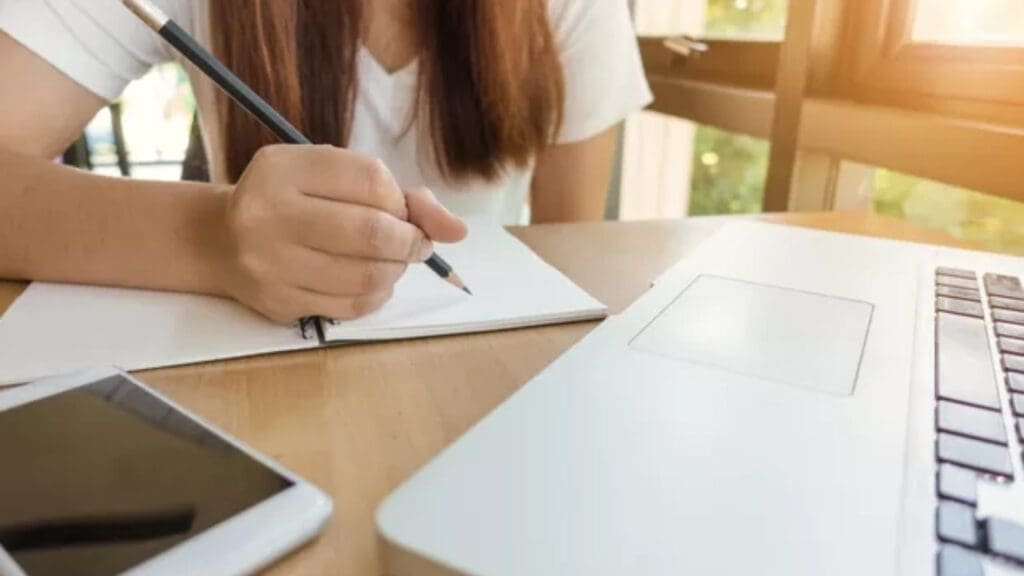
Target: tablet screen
99,479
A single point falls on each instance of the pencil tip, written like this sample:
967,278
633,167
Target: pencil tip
454,280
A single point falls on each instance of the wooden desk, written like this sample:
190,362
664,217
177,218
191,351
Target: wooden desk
357,421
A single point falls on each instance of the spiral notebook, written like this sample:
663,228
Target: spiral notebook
59,328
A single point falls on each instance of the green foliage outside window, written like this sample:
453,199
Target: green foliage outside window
749,18
728,169
994,223
728,173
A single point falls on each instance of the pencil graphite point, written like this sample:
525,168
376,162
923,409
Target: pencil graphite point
454,280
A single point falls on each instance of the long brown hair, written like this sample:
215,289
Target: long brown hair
490,80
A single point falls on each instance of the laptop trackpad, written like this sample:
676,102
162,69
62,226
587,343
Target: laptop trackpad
808,340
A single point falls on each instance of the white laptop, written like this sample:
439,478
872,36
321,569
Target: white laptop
783,401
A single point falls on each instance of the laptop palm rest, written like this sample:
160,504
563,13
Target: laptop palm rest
812,341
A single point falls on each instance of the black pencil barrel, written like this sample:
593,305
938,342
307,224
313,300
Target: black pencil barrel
232,84
438,265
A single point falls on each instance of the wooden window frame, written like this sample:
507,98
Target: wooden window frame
880,63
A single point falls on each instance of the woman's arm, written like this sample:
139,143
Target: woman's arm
308,230
571,180
61,224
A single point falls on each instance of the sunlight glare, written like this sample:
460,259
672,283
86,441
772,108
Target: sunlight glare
969,22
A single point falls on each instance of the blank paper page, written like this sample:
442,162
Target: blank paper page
512,287
59,328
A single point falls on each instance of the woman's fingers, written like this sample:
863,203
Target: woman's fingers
320,231
333,275
336,174
360,231
357,231
432,217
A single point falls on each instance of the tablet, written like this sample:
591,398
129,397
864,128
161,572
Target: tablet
100,475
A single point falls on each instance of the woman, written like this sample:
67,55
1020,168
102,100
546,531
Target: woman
446,109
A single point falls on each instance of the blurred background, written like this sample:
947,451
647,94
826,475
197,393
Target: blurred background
941,75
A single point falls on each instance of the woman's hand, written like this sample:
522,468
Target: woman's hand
321,231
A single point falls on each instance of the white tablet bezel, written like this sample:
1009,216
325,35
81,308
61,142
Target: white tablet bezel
242,544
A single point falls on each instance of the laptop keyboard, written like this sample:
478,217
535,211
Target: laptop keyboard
972,441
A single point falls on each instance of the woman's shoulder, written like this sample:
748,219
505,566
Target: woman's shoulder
186,13
593,26
569,17
599,51
98,43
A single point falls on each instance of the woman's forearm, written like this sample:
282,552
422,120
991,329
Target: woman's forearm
65,225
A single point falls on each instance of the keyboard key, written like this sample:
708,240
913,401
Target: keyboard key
1000,292
957,561
1011,346
1010,330
1015,381
1020,429
954,282
1008,316
961,307
961,293
956,483
971,421
1005,538
1003,281
958,272
1018,404
955,523
1006,303
964,371
1013,363
975,454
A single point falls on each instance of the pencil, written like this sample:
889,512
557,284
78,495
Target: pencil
184,43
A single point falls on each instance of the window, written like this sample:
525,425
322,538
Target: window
674,167
963,57
746,19
930,91
156,115
764,19
728,173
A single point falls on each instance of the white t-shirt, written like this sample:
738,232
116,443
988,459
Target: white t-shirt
102,47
